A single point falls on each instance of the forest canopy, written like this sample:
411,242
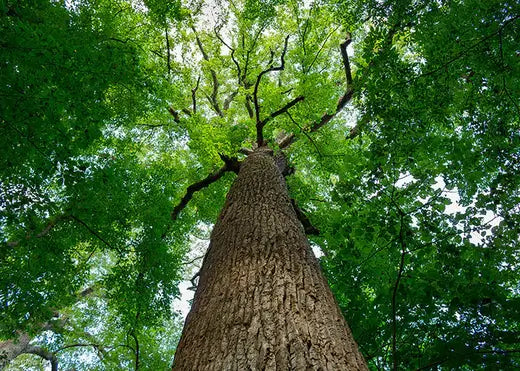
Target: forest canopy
400,120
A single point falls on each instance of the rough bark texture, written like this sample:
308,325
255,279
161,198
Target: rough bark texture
10,349
262,302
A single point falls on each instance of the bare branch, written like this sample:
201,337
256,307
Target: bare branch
189,262
213,97
284,109
230,164
175,115
305,133
249,51
342,101
168,59
259,78
320,50
271,68
45,354
194,96
306,223
229,99
239,72
346,62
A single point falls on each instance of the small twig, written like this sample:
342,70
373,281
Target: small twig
304,133
189,262
306,70
93,232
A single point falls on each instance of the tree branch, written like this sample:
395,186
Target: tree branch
194,96
50,225
175,114
45,354
239,72
305,133
306,223
229,99
168,56
271,68
230,164
462,53
306,70
284,109
213,97
93,232
136,351
342,101
99,348
346,62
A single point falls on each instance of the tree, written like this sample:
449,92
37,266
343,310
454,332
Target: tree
404,145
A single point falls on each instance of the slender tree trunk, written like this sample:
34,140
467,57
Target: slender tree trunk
262,302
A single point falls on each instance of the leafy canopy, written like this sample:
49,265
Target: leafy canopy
408,167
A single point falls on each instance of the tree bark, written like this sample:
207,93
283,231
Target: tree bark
262,302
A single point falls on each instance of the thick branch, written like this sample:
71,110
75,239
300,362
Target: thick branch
346,62
230,164
168,56
45,354
342,101
259,78
248,106
260,125
175,114
284,109
229,99
194,96
306,223
213,97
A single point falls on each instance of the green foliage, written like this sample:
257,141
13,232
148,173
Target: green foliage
109,110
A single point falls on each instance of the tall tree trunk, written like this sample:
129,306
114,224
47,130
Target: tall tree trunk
262,302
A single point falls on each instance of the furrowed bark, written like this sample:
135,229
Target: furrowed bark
262,302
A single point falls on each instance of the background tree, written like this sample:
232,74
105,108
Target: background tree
111,110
